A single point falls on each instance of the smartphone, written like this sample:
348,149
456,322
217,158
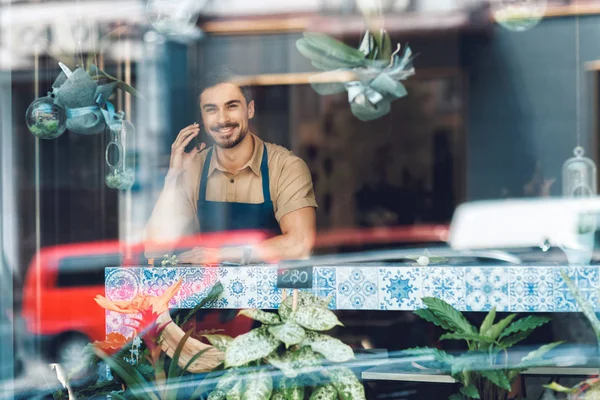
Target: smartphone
202,137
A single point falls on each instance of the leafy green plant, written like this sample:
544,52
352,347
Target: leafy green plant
590,387
284,358
484,370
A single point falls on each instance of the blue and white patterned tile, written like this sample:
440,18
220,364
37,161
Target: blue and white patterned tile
559,282
531,288
267,294
592,297
122,283
196,284
324,284
563,299
357,288
486,288
156,280
400,288
588,277
446,283
239,287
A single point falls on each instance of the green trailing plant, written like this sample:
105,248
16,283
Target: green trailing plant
484,370
284,358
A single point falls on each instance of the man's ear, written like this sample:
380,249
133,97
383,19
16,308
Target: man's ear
251,109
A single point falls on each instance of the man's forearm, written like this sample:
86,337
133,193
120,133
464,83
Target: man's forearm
282,247
169,219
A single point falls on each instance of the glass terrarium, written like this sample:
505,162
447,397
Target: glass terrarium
45,119
120,156
518,15
579,176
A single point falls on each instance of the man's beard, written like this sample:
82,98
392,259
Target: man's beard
234,141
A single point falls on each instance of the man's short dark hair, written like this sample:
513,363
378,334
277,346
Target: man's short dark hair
224,76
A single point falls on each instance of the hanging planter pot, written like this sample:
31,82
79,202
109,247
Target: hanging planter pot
370,74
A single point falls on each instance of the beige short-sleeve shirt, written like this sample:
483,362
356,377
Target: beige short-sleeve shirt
289,179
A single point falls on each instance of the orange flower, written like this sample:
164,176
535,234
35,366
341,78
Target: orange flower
112,344
141,302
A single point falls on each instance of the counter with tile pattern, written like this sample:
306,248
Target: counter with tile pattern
510,288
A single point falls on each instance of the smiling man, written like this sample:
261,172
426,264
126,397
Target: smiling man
239,183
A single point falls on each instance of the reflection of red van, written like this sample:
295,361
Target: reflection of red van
61,282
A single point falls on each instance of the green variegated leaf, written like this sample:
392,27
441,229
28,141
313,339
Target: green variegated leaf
347,384
470,391
258,386
228,381
217,395
289,333
333,349
315,318
219,342
261,316
291,389
326,392
250,346
495,330
497,377
466,336
278,394
304,357
449,314
284,364
524,324
456,396
235,393
488,321
303,299
292,362
285,309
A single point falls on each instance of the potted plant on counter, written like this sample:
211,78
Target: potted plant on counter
486,370
288,357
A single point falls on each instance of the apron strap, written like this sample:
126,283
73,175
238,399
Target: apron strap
204,176
264,173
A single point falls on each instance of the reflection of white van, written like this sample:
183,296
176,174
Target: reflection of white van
567,223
